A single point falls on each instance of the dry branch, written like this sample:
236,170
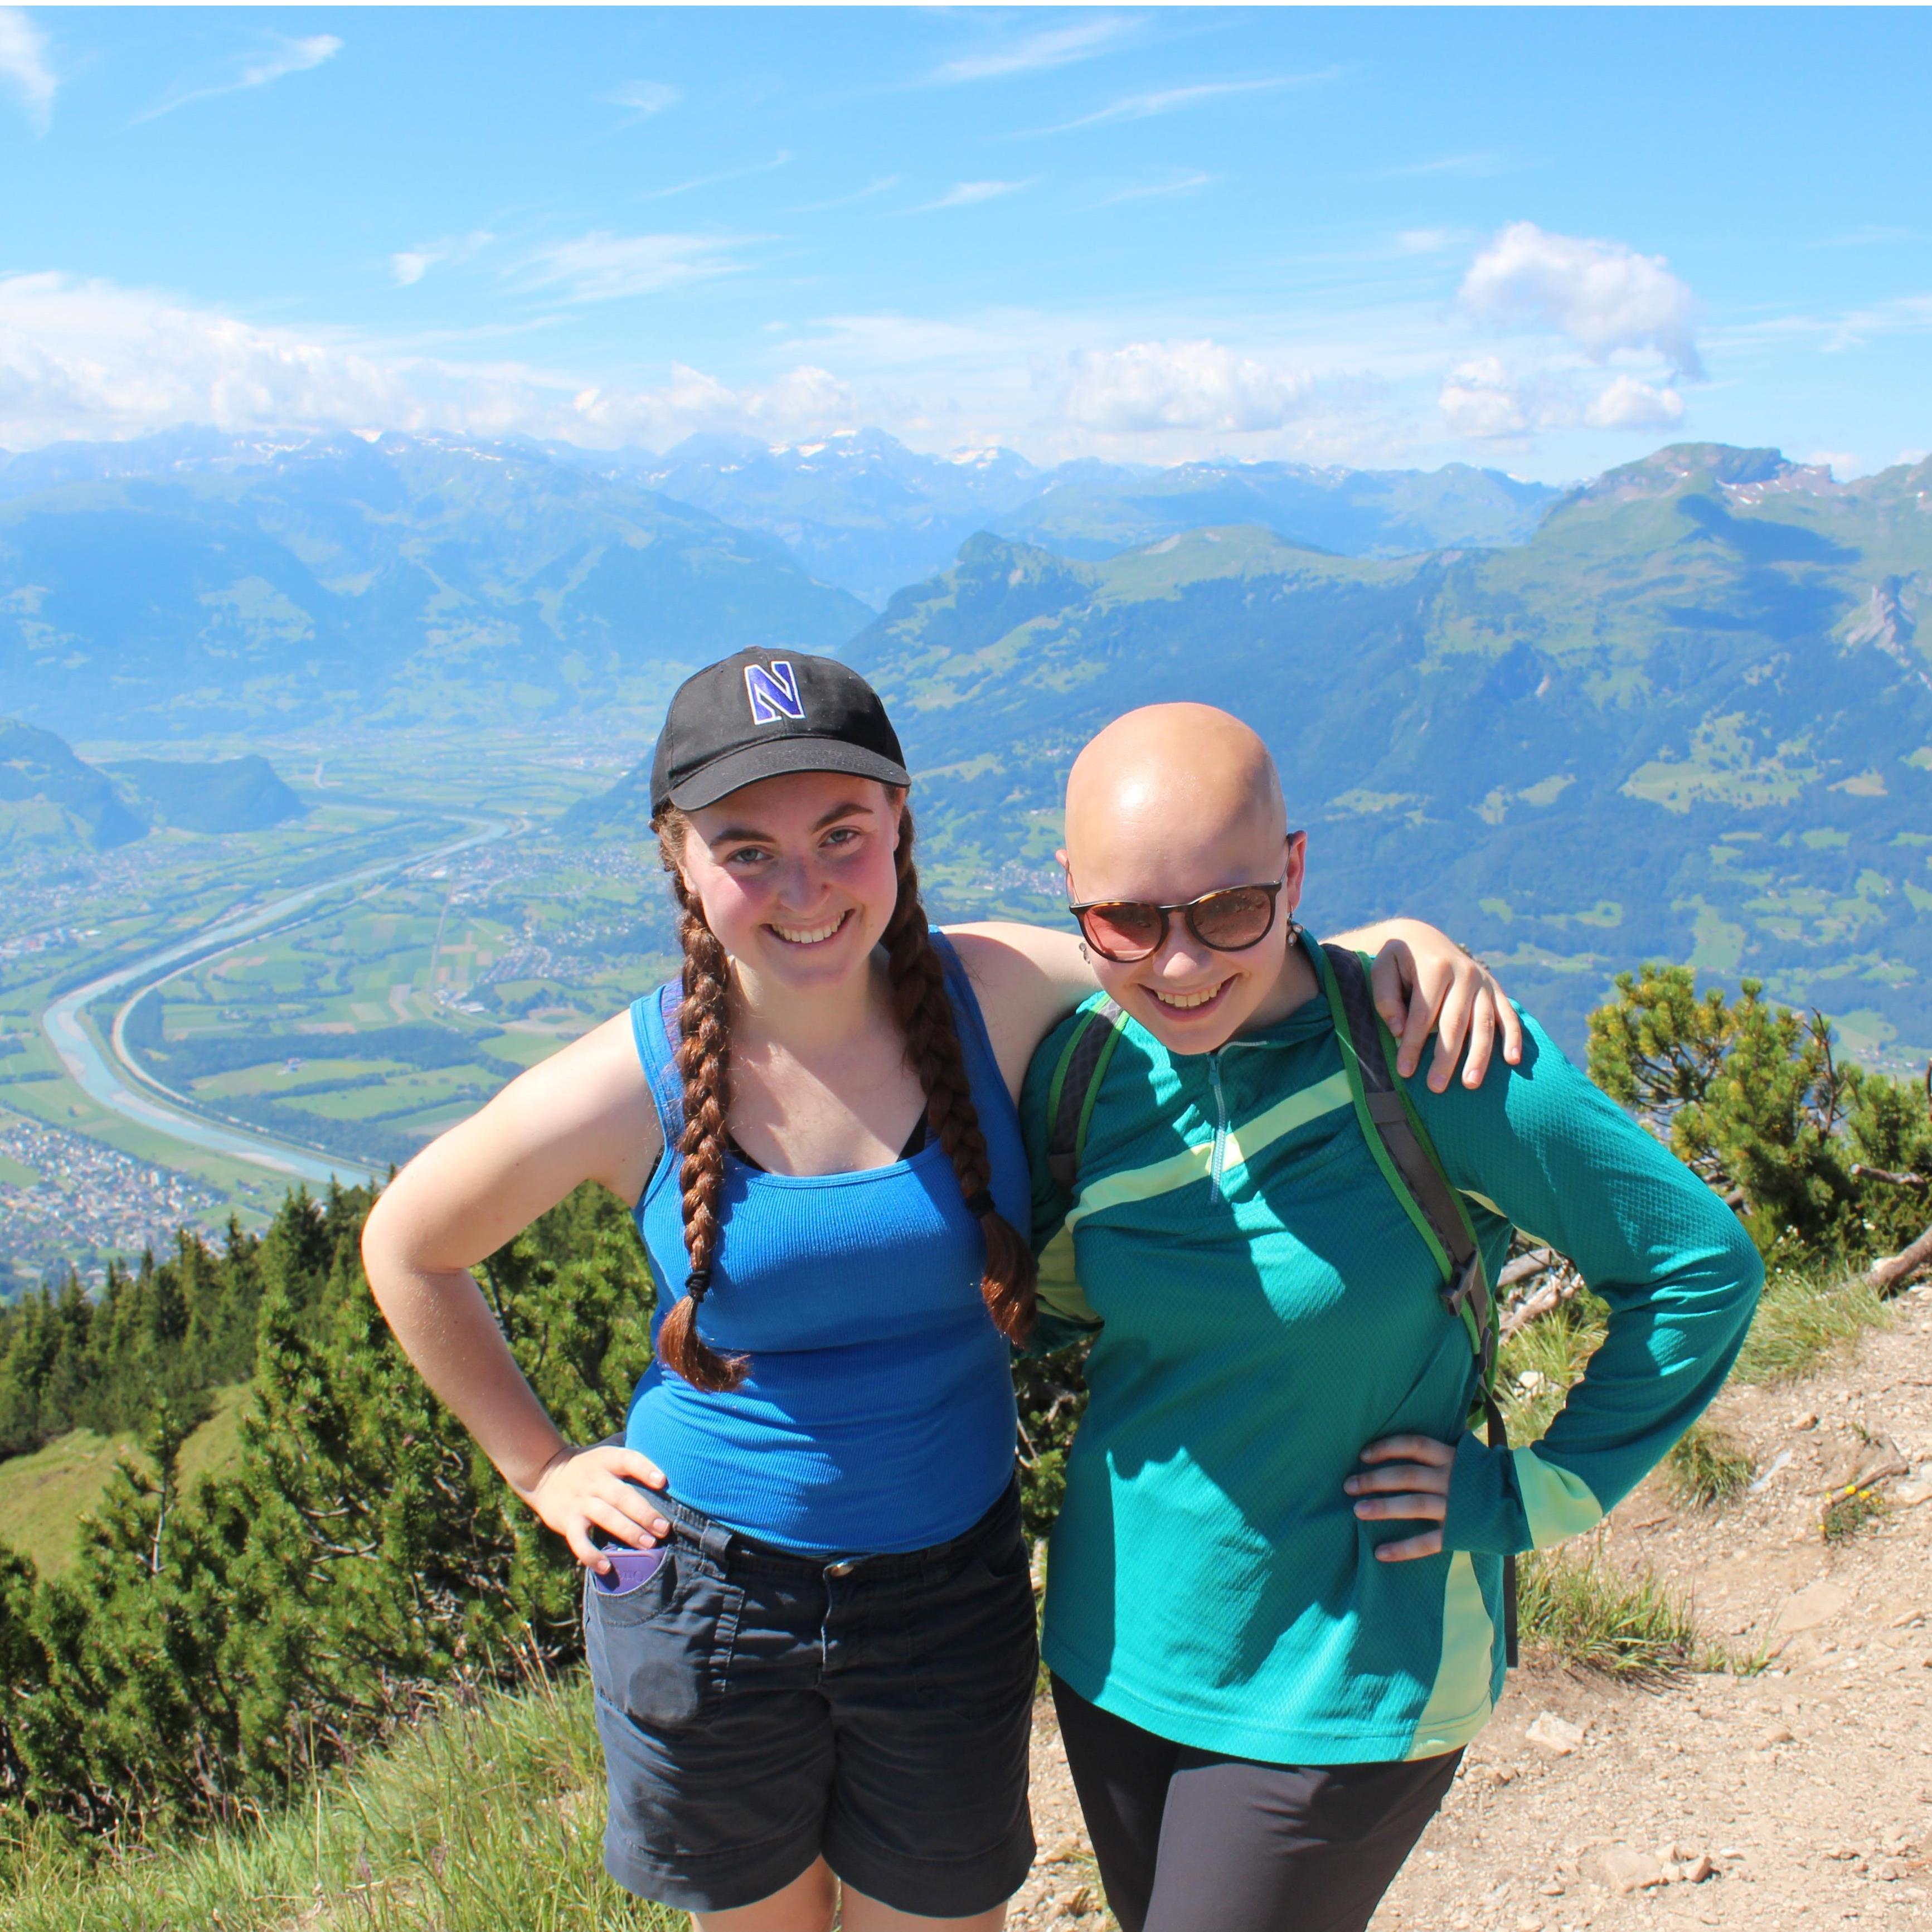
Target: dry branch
1562,1283
1865,1173
1887,1276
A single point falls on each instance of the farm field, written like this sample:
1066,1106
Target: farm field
375,1016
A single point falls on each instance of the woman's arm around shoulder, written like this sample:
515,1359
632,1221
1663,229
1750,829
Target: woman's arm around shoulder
1028,979
586,1114
1424,982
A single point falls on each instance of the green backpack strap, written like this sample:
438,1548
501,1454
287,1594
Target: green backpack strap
1411,1165
1076,1085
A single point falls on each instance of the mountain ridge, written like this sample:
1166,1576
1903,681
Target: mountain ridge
1668,726
410,578
53,800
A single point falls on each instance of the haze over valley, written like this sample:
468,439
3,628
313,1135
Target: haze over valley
1684,711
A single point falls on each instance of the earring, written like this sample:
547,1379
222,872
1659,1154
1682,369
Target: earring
1085,954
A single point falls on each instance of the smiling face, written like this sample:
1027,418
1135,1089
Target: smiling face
795,874
1167,804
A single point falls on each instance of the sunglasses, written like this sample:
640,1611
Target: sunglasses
1229,921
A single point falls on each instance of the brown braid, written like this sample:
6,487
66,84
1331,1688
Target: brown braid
924,1017
925,1014
704,1059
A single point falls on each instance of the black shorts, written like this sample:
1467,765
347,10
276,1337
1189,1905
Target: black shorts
1192,1840
759,1709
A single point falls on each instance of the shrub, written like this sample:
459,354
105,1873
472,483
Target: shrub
1850,1510
1825,1161
211,1648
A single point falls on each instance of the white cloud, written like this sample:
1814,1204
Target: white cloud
1487,399
409,265
1479,399
1038,53
782,159
1178,386
603,267
643,97
878,185
23,61
284,57
93,361
1466,167
1844,464
1604,295
968,194
1628,403
1173,100
1185,184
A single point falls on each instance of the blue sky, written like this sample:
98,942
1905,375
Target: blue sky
1547,240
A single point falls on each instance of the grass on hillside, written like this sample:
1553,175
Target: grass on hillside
1706,1466
44,1496
487,1818
1575,1608
1573,1605
1802,1321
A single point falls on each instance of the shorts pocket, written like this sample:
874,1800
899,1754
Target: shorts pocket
975,1637
661,1653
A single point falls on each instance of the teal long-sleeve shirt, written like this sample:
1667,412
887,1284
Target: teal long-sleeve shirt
1263,1308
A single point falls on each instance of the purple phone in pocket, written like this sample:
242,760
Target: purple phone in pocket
630,1569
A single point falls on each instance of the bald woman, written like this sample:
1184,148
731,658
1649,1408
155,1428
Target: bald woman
1273,1610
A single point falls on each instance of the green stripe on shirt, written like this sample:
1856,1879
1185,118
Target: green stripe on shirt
1240,1146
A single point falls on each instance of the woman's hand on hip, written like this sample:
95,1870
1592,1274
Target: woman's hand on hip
602,1487
1423,980
1408,1477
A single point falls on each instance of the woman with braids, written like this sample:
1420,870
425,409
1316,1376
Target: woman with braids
807,1611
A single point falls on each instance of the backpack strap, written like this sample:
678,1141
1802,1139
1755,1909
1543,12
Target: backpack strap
1402,1147
1076,1086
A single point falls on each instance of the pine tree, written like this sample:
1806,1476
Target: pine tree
211,1647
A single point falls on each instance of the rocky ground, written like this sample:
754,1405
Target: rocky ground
1799,1796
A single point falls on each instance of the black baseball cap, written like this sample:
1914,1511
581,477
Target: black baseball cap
764,713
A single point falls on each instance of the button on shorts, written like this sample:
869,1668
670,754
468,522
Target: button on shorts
759,1709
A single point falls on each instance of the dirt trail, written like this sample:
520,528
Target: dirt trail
1799,1797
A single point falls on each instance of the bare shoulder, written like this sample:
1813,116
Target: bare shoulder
1003,953
1028,979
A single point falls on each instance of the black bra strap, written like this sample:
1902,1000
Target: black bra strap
915,1143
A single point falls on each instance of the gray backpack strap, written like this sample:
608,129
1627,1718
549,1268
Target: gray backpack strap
1467,1294
1075,1085
1368,1050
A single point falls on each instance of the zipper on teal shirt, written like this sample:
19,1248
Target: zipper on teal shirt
1220,1125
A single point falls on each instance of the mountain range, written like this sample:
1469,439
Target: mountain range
1690,718
1683,711
332,579
52,798
860,510
856,510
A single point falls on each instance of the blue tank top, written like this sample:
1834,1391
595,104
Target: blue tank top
878,1414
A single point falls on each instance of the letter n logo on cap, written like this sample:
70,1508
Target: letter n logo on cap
774,693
